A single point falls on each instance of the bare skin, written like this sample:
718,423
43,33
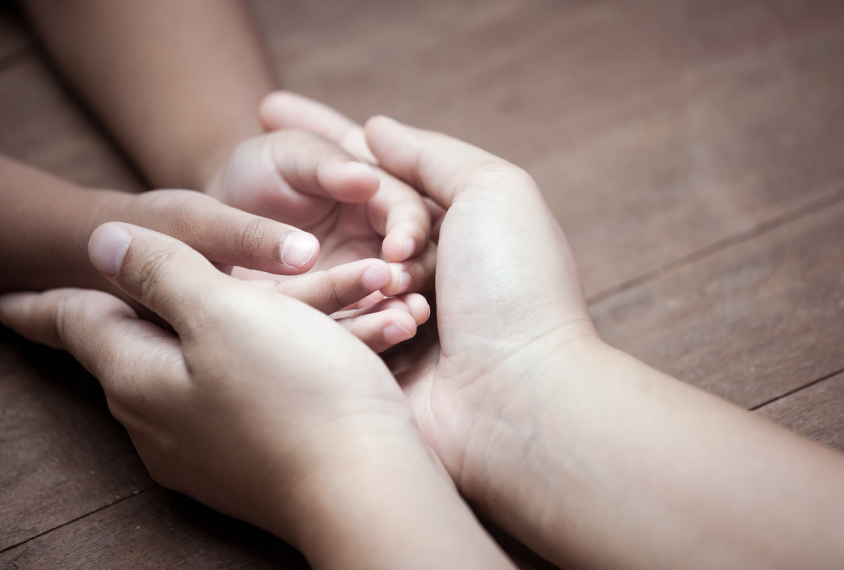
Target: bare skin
320,445
588,456
179,85
46,223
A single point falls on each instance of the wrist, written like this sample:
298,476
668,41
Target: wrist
209,173
106,206
511,409
529,465
378,501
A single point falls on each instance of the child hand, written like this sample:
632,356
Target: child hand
296,177
224,235
227,236
380,325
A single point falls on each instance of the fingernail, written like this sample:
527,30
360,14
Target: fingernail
395,333
359,167
408,248
369,300
107,248
298,248
404,282
374,278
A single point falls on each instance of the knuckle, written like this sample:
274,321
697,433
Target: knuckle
159,453
298,135
148,273
252,240
185,218
336,291
491,171
119,406
63,317
178,213
285,137
498,175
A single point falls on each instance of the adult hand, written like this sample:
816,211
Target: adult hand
585,454
508,291
337,198
262,407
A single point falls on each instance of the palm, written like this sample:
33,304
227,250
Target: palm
345,235
508,288
355,211
485,316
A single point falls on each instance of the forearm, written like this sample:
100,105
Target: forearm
45,224
177,82
389,507
622,466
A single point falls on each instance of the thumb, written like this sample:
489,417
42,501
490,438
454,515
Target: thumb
158,271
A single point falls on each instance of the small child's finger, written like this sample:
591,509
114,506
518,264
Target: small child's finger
381,330
311,165
286,110
368,301
414,275
336,288
399,213
364,303
390,303
225,235
419,308
413,304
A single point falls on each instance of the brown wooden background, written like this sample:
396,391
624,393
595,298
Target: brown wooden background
693,151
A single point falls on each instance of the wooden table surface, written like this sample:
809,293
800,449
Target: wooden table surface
693,151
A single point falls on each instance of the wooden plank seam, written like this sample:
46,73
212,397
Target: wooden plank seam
719,246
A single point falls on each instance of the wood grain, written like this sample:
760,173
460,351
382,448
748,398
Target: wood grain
655,128
62,455
162,529
156,529
750,323
816,412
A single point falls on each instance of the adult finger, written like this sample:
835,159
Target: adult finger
499,241
226,235
336,288
286,110
103,333
158,271
438,165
